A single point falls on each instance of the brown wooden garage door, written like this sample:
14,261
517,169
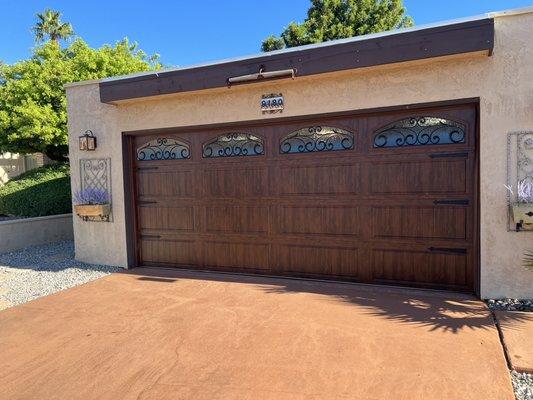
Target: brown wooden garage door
381,198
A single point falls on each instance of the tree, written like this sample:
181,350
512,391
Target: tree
49,25
338,19
33,114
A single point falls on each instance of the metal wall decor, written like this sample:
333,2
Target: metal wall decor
519,168
317,138
95,174
163,149
420,131
234,145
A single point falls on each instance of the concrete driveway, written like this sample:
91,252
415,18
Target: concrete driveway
156,334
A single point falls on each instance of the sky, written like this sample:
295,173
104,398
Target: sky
185,32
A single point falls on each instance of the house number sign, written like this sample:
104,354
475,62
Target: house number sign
272,103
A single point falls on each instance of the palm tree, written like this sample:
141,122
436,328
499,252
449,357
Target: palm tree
49,25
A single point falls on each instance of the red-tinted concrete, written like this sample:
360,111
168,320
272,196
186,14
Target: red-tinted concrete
517,332
184,335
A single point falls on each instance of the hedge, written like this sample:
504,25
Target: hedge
39,192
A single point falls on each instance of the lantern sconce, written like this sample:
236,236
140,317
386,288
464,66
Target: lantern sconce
87,141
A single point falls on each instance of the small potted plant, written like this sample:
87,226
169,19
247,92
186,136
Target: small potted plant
92,203
523,208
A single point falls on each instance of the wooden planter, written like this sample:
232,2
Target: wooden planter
523,212
93,210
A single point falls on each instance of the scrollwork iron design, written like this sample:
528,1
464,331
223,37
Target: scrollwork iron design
420,131
163,149
234,145
317,138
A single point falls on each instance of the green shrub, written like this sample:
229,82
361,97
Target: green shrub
39,192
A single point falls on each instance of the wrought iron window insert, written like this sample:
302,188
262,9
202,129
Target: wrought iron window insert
315,139
420,131
163,149
234,145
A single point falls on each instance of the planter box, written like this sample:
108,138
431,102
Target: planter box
523,212
93,210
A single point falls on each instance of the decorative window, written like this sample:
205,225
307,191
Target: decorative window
420,131
234,145
317,138
163,149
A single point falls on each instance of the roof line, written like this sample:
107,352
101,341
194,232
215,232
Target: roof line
510,12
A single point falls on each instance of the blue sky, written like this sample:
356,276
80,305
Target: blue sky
186,32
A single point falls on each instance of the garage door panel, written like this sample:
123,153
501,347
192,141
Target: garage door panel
236,182
236,219
391,202
165,183
318,260
172,252
420,222
244,255
414,177
419,267
326,220
321,179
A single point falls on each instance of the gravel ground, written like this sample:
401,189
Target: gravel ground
42,270
522,382
523,385
510,304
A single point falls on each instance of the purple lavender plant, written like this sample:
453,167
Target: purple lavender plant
91,197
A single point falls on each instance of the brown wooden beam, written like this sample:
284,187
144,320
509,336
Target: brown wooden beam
464,37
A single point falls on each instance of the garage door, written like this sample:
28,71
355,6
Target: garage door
381,198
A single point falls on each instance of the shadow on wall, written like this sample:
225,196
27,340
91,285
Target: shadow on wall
433,310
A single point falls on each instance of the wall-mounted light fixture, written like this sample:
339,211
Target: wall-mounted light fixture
261,75
87,141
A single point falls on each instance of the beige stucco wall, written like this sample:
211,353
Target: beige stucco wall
19,233
503,82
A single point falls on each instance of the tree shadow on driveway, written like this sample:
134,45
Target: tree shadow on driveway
434,310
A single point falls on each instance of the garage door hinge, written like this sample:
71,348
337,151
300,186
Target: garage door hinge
447,250
146,168
150,236
454,202
446,155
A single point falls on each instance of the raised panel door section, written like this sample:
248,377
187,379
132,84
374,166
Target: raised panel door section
342,220
166,218
414,177
237,255
419,222
419,267
156,183
236,219
172,252
319,260
318,179
238,182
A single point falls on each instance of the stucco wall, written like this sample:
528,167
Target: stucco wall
503,82
19,233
